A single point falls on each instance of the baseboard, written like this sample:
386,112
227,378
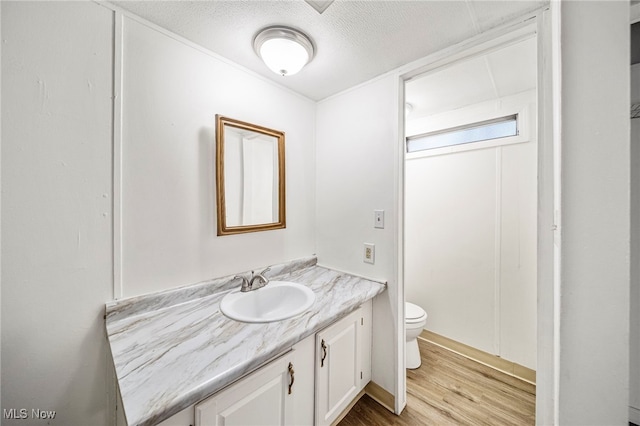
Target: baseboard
381,396
634,415
377,393
493,361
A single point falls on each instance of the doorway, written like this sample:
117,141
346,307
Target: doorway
471,202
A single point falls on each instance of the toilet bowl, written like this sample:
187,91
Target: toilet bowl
414,318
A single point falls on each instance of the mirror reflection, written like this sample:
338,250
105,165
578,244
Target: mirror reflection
250,177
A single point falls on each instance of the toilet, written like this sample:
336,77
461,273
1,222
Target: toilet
414,318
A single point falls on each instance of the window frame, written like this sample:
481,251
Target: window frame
465,120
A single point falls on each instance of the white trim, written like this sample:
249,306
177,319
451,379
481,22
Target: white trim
497,273
556,105
398,245
548,180
118,28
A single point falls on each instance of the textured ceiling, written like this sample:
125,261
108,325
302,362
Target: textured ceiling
355,40
503,72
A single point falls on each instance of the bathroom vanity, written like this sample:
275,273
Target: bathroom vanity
282,391
180,361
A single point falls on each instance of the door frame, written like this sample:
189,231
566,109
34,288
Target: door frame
541,24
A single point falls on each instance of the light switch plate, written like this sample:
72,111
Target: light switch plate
369,253
378,219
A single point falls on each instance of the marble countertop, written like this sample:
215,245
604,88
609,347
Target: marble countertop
174,348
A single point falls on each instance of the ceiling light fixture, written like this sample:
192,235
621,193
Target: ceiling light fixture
321,5
284,50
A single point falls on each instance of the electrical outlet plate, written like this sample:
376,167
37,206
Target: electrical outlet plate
369,255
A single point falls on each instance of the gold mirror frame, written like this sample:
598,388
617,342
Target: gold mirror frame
223,228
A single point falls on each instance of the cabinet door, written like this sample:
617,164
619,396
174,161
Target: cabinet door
258,399
302,393
279,393
337,367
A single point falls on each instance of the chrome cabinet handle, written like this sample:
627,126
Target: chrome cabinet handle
291,375
324,353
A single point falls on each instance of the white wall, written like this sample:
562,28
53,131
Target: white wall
634,327
594,309
634,331
171,93
0,206
56,210
58,189
470,236
356,157
56,168
470,243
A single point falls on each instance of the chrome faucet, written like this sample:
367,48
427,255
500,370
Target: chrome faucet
264,280
250,284
245,284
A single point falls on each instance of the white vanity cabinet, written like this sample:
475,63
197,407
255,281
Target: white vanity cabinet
324,372
343,363
280,393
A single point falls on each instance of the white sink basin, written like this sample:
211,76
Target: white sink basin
276,301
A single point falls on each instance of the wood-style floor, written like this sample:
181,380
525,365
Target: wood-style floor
449,389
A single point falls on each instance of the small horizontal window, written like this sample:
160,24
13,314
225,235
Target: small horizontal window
477,132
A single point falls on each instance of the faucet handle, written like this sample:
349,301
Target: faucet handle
265,271
245,283
262,280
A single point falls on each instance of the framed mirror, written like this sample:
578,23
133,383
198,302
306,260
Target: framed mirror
250,182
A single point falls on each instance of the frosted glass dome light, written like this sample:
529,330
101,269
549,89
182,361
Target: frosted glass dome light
284,50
